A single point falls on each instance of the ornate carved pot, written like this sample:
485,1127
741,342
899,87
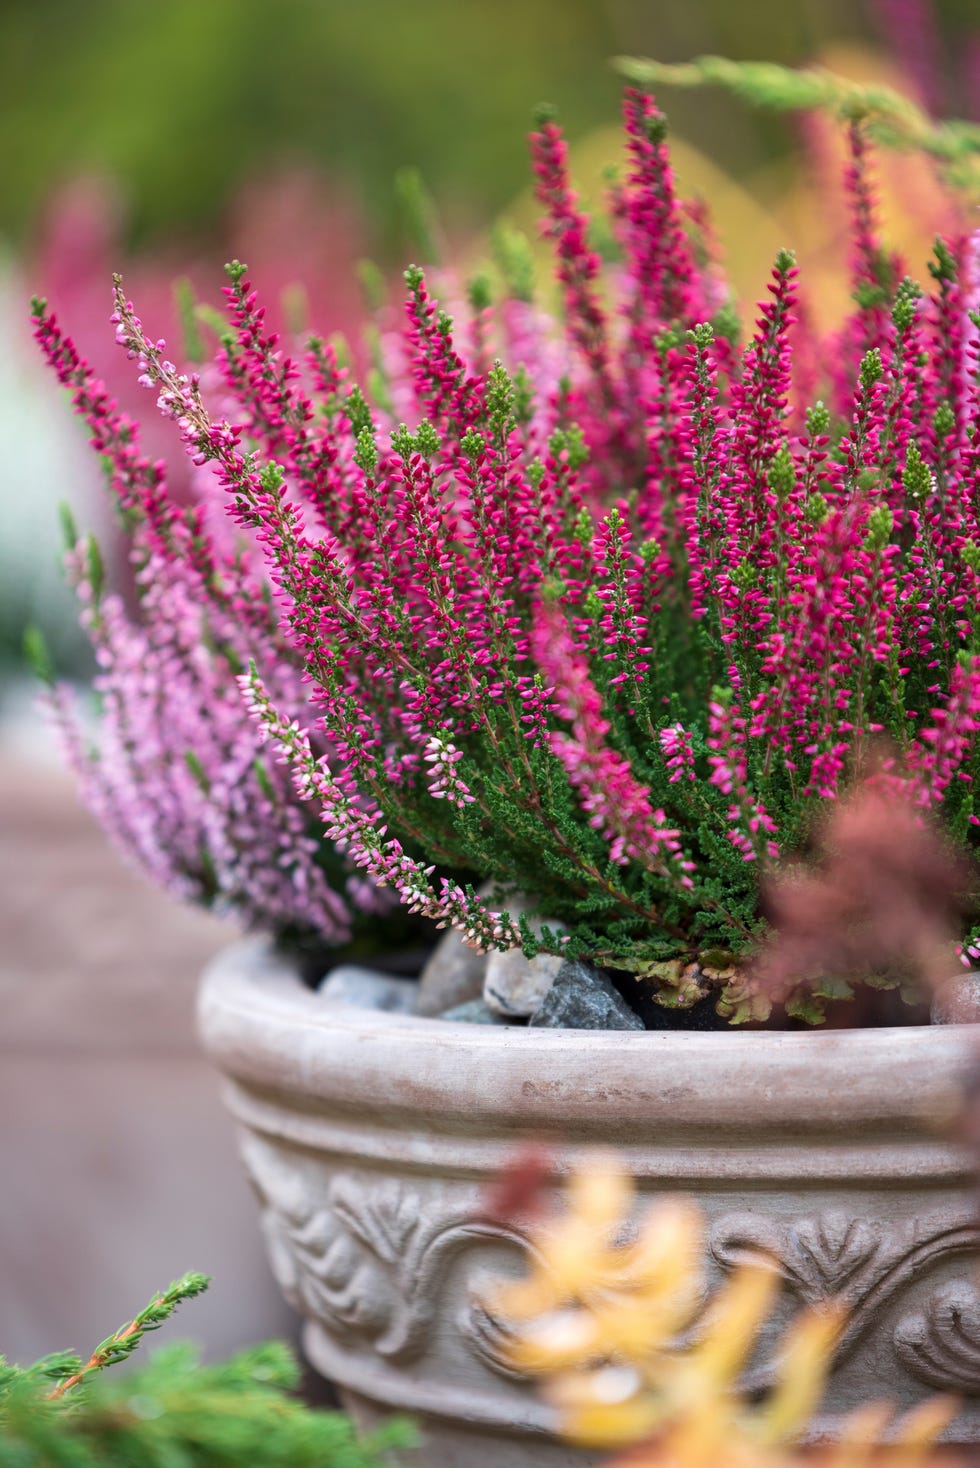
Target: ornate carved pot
369,1137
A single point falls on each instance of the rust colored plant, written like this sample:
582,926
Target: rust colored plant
881,904
636,1354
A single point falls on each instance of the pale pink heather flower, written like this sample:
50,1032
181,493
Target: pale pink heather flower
444,780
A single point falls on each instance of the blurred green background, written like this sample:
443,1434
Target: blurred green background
185,101
274,130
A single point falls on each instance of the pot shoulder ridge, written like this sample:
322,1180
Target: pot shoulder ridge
263,1027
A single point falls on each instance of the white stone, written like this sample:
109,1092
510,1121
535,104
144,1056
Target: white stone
453,975
516,986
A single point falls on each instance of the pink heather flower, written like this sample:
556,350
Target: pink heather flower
675,741
750,824
578,263
616,804
943,745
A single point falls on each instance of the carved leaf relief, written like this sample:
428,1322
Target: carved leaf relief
865,1263
818,1255
940,1345
369,1263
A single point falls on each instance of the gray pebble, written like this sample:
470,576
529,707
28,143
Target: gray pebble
474,1012
582,998
367,989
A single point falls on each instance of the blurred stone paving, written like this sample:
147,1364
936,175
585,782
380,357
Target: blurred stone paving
118,1169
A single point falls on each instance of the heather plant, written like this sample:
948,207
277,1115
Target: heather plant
173,1410
601,611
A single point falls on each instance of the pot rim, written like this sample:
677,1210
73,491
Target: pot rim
274,1037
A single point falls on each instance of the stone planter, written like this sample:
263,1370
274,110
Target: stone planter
369,1137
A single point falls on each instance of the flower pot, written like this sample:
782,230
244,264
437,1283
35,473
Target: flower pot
369,1138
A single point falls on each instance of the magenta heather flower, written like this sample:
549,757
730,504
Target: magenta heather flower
606,613
678,747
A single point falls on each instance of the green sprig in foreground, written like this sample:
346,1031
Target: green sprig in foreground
174,1412
890,117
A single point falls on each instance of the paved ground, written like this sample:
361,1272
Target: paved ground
117,1164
